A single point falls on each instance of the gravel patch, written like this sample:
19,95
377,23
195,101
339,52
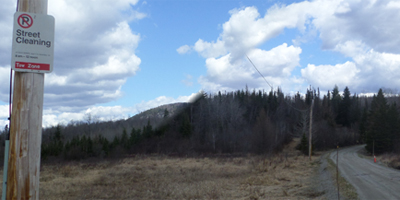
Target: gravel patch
323,181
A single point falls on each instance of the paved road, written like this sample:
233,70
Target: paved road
371,180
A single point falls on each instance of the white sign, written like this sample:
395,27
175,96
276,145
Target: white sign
33,43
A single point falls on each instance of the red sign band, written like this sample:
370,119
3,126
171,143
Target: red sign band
32,66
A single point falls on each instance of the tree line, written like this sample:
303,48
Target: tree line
379,125
242,121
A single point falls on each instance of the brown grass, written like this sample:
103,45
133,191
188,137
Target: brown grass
346,189
283,176
390,159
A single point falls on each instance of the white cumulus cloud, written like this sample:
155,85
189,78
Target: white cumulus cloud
94,54
183,49
326,76
364,32
63,115
276,64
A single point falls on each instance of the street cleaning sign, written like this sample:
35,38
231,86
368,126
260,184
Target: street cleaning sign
33,43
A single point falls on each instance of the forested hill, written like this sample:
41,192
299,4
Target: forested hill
159,112
244,121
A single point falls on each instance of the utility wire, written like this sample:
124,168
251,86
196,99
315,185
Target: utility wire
10,98
272,87
260,73
9,102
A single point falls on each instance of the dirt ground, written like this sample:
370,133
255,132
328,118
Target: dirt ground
288,175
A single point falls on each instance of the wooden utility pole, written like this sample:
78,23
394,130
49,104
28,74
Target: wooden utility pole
26,125
373,150
310,138
337,172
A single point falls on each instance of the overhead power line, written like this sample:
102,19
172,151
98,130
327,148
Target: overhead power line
260,73
311,110
300,110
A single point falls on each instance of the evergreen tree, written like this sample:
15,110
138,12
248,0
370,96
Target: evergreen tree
392,120
83,144
363,125
115,142
105,145
381,119
148,130
125,139
55,146
303,147
343,115
166,114
335,101
186,127
89,147
272,102
309,96
135,136
355,110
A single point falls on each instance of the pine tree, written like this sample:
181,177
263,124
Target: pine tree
363,125
135,137
335,101
56,146
392,120
379,133
166,114
132,137
343,113
309,96
125,139
105,146
355,110
304,144
89,147
186,127
115,142
148,130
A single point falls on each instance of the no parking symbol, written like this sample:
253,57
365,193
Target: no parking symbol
25,21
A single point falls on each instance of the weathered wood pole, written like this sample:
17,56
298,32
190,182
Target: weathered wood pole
26,125
310,138
337,172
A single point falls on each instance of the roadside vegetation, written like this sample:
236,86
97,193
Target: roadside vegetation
245,144
345,188
287,175
379,127
241,122
391,160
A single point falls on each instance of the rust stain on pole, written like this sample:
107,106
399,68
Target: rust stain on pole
26,190
12,174
23,144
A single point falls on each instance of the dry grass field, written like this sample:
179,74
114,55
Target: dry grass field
288,175
389,159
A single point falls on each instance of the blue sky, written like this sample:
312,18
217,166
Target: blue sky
114,59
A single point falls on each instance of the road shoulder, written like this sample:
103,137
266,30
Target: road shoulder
325,180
